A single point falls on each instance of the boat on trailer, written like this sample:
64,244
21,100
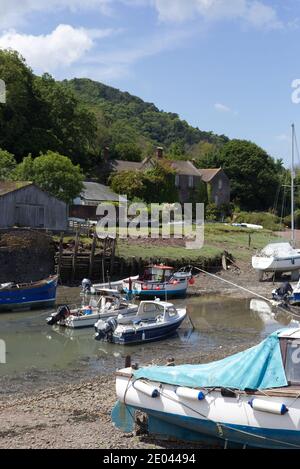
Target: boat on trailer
251,399
158,281
154,320
31,295
103,304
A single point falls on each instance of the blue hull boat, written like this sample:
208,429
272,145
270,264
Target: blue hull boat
154,320
250,399
41,294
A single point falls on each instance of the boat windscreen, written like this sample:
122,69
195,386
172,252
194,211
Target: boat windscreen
292,362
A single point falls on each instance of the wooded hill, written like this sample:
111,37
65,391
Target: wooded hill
126,119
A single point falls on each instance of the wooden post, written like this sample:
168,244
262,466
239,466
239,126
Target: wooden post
74,260
249,241
92,256
60,252
112,255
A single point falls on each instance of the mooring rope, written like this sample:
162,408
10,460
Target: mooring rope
248,291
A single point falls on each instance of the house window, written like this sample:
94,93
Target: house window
176,180
191,182
220,184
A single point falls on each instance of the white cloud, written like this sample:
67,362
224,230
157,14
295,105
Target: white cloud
225,109
15,12
118,62
64,46
255,13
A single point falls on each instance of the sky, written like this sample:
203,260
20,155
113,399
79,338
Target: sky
226,66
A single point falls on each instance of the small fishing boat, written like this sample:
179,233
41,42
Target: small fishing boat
159,281
24,296
154,320
104,304
251,399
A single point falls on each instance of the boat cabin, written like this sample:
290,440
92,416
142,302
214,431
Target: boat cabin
157,273
152,311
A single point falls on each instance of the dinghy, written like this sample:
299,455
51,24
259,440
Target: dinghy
24,296
104,304
154,320
251,399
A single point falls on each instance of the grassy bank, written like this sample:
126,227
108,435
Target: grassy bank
239,242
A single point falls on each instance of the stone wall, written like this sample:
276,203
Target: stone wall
25,255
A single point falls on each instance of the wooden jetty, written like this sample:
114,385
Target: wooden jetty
75,260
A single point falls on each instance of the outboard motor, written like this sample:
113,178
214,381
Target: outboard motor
105,329
62,313
86,285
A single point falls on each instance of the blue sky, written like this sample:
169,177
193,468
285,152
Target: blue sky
223,65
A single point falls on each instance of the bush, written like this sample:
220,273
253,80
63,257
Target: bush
268,220
288,220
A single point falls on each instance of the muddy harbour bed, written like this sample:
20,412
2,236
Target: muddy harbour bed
57,388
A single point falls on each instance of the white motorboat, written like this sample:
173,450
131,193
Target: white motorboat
104,304
248,399
154,320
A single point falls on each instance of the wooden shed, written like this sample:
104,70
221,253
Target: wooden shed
24,204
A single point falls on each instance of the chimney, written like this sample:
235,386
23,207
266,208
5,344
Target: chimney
159,153
106,154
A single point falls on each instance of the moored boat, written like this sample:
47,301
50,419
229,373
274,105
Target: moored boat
24,296
154,320
158,281
104,304
277,257
250,399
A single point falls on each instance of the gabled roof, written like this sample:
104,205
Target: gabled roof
185,168
122,165
94,191
11,186
208,174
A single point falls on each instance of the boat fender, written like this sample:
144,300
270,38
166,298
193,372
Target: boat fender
268,406
146,388
189,393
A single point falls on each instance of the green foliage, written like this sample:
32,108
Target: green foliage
288,219
128,183
268,220
41,114
54,173
156,185
7,165
128,152
159,184
254,175
130,119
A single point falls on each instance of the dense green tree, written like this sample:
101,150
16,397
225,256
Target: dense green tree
54,173
159,183
19,116
128,152
7,165
69,127
155,185
254,175
128,183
